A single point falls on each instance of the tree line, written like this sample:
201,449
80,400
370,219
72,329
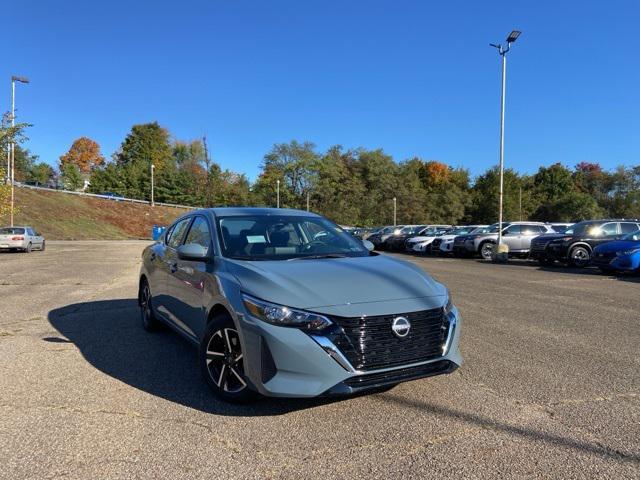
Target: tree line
351,186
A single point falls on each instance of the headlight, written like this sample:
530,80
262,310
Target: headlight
624,253
449,306
284,316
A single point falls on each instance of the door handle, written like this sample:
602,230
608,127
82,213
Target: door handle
173,267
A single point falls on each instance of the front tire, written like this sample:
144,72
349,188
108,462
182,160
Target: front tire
579,257
43,246
486,251
222,361
149,321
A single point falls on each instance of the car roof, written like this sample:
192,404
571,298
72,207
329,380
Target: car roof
18,226
252,211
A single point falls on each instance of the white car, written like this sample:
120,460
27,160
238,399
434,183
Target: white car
20,238
421,242
444,243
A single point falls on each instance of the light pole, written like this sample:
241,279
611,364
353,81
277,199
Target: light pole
152,169
277,193
513,36
395,212
11,159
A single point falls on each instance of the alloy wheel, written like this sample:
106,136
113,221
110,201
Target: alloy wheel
145,306
225,360
486,251
580,256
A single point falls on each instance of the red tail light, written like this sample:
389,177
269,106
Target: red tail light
17,238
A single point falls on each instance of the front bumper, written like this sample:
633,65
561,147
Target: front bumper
287,362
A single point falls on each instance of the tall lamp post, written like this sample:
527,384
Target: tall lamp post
11,160
152,169
277,193
513,36
395,211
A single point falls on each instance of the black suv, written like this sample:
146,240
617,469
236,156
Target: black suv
575,246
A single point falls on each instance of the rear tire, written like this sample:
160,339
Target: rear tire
43,246
222,361
579,257
28,249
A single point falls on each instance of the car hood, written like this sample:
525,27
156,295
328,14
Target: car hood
420,239
310,284
617,245
446,238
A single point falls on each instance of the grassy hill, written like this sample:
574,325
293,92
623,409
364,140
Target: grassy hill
61,216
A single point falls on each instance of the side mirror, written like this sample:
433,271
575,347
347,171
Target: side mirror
193,252
368,245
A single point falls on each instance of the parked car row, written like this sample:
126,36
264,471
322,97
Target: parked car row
611,245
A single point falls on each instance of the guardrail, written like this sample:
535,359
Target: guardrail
107,197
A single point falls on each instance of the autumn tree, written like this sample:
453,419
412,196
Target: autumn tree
84,154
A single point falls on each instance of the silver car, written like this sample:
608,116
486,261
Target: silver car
285,303
21,238
517,235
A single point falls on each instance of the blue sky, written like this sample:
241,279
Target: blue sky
416,78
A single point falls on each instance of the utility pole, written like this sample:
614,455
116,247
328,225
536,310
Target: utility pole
12,149
152,169
278,193
503,53
520,202
395,211
207,162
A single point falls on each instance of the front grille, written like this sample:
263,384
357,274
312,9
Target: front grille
400,375
369,343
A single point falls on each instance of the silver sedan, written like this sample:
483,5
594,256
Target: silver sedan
21,238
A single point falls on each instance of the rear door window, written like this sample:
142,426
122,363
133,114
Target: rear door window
628,227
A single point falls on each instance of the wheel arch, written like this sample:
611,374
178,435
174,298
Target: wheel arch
143,279
218,309
580,244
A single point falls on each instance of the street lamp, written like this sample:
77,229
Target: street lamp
11,160
513,36
395,211
152,169
277,193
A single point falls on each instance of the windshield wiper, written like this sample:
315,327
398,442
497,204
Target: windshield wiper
316,257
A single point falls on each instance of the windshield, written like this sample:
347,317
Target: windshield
271,237
560,228
11,231
635,236
479,230
460,231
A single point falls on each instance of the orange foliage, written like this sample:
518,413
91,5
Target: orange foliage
84,153
437,172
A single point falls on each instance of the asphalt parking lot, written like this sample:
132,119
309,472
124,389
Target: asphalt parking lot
550,387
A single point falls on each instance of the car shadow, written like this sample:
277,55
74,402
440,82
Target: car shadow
110,337
471,418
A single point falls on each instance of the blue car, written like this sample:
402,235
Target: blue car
619,255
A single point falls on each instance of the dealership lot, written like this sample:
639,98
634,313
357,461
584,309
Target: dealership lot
550,387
